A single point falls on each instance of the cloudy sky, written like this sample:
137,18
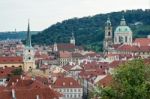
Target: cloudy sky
43,13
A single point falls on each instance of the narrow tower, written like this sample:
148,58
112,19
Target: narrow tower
55,48
108,36
29,61
72,39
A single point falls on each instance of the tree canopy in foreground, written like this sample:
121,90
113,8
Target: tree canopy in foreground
130,81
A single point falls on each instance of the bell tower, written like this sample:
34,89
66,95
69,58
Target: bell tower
72,39
108,36
28,56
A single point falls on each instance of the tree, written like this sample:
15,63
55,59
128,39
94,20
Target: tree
130,81
17,71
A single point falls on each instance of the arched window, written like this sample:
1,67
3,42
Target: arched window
126,39
108,33
120,39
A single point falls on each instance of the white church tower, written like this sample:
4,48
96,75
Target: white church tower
108,38
29,61
72,39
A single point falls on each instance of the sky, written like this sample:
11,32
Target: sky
14,14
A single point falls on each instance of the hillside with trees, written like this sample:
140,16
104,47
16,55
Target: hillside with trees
15,35
89,31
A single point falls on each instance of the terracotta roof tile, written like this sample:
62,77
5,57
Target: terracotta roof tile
66,82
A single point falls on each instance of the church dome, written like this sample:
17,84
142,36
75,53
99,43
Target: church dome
123,29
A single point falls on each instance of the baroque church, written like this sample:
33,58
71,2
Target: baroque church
122,35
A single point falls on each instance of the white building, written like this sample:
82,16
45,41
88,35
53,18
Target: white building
69,87
123,33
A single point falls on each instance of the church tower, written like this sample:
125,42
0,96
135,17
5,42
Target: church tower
72,39
108,40
55,48
29,61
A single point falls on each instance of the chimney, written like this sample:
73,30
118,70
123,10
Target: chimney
50,86
21,76
13,94
37,97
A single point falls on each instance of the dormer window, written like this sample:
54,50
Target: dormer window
71,83
63,83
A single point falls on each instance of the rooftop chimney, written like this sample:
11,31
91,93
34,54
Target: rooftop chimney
37,97
13,94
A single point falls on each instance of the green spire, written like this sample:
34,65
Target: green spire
123,21
108,22
72,35
28,40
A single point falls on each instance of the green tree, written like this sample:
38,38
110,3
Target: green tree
130,81
17,71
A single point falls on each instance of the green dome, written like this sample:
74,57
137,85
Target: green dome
123,29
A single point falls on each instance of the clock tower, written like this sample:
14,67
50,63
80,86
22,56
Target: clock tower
29,61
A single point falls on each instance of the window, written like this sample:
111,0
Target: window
74,90
71,96
29,58
108,33
120,39
70,90
126,39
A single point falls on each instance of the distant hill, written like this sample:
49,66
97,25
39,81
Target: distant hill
15,35
89,31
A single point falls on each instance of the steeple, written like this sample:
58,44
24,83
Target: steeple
108,23
123,21
28,40
72,39
107,43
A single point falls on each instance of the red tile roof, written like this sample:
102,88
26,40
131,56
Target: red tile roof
6,71
142,41
16,59
66,82
66,47
106,81
90,74
115,64
43,93
64,54
28,89
134,48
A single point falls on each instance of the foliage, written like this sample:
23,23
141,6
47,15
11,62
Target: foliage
89,31
15,35
17,71
131,81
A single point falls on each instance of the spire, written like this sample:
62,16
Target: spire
72,35
72,39
123,21
28,40
108,23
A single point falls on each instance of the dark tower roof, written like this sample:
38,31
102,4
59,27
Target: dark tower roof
28,40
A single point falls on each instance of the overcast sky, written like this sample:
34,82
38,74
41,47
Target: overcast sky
43,13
